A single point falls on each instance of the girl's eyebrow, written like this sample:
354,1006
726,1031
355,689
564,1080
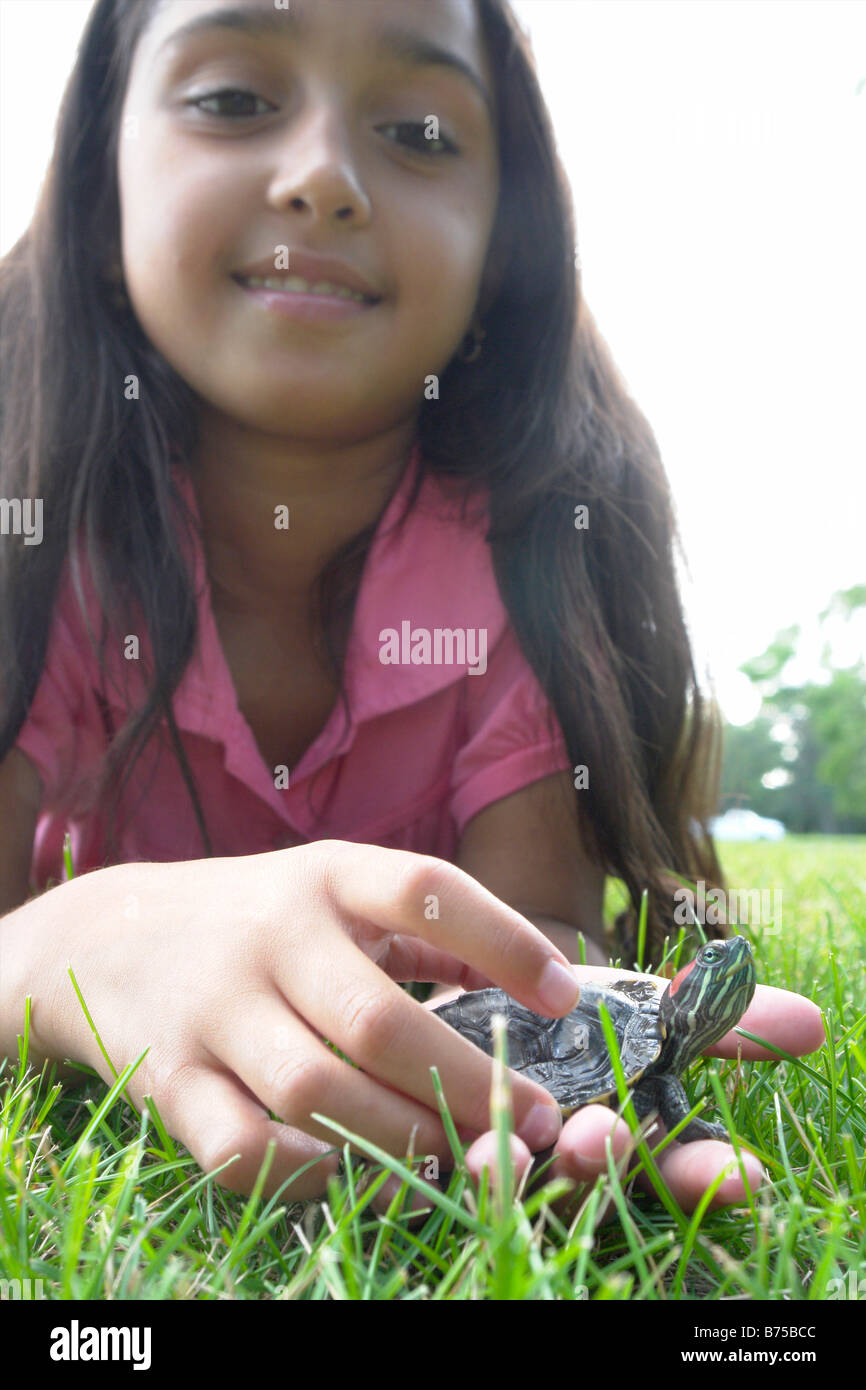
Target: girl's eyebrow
402,44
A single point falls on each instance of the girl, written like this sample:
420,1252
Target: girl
351,651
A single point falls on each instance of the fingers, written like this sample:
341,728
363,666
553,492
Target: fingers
580,1156
471,923
395,1040
687,1169
484,1153
208,1113
579,1167
295,1074
580,1152
406,958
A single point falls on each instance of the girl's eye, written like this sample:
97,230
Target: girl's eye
221,95
420,144
425,145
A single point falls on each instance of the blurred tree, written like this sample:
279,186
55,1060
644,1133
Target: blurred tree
803,759
838,715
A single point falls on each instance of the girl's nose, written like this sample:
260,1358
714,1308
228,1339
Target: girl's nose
316,166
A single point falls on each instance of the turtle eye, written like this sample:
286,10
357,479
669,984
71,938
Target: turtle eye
710,954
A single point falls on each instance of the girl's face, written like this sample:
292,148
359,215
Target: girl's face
325,152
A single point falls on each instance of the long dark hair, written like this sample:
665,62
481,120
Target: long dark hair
542,419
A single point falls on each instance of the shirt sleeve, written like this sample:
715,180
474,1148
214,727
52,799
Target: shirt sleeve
513,739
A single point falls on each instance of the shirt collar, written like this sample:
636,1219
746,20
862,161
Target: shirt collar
429,568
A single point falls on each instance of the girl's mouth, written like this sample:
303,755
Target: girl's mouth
293,297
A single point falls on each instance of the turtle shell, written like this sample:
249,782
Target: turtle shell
568,1056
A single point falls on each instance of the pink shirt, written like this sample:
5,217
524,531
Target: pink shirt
427,746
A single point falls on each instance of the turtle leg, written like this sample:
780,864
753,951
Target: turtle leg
674,1106
647,1100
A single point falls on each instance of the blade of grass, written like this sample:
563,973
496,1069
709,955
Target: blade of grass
389,1161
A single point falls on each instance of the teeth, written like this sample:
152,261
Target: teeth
295,284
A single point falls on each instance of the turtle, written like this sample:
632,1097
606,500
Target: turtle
658,1034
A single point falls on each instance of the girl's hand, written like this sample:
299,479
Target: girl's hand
233,972
791,1022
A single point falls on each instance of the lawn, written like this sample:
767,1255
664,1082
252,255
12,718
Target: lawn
97,1202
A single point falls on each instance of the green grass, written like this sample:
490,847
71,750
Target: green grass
98,1202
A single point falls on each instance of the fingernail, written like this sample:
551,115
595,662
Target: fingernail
541,1126
558,989
591,1162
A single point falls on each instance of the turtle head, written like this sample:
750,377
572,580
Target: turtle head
705,999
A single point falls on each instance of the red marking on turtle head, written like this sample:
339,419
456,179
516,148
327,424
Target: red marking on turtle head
680,976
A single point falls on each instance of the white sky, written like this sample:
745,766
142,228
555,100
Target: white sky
716,151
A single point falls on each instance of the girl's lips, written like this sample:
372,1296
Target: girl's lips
310,307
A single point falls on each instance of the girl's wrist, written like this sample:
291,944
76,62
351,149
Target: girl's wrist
31,941
20,974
